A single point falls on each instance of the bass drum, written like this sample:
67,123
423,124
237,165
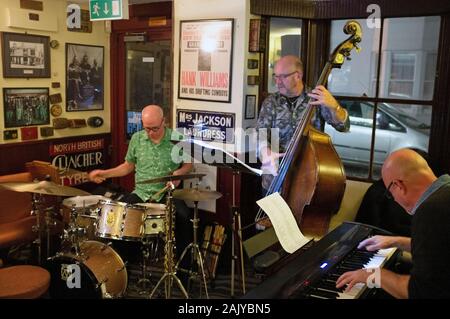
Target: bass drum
97,272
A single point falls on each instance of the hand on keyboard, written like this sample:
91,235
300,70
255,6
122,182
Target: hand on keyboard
376,243
352,278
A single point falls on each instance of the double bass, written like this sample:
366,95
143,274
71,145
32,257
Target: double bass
311,177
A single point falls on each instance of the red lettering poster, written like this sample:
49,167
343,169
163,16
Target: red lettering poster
206,48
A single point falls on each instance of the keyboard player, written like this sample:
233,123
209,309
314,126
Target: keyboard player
411,182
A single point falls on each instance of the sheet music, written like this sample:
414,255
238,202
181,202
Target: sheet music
209,146
283,221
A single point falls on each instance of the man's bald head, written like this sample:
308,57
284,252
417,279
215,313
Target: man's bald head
291,60
152,112
406,164
153,122
409,174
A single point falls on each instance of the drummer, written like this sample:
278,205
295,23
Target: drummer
149,156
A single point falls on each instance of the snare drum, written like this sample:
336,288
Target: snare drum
97,272
119,220
155,219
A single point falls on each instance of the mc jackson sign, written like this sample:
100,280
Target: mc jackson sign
206,126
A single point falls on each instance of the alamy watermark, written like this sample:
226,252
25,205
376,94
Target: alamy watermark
251,139
373,21
71,273
73,20
374,279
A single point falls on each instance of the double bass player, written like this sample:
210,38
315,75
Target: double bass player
283,110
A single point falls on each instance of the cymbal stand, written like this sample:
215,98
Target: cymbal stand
170,271
48,224
35,201
238,233
196,256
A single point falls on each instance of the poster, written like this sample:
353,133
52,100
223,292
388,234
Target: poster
206,48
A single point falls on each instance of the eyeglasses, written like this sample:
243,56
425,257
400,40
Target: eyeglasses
282,76
154,128
388,193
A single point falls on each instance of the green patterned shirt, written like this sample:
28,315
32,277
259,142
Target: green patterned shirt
151,160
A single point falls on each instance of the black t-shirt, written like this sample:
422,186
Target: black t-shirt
430,247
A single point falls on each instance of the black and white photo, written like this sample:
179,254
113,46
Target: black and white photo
25,55
250,107
84,77
25,106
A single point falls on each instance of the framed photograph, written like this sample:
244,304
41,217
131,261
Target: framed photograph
250,107
206,50
25,55
25,106
84,77
257,35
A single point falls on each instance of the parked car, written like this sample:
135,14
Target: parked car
394,130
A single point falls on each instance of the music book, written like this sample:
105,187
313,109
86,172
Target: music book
208,154
283,221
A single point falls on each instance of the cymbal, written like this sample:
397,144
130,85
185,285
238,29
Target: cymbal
83,201
43,187
170,178
196,195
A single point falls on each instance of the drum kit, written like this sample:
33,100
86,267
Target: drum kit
85,261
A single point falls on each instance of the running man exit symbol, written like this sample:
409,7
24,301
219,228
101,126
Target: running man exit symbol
108,9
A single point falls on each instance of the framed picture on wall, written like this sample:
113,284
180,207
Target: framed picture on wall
25,55
206,50
250,107
84,77
25,106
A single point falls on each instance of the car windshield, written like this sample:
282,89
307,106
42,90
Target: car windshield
403,117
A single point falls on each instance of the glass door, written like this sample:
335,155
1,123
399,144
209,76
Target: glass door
147,77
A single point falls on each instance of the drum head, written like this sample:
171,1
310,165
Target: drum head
71,279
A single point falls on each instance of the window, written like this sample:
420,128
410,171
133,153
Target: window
284,39
396,83
401,78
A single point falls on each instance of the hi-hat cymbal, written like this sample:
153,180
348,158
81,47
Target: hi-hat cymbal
43,187
170,178
196,195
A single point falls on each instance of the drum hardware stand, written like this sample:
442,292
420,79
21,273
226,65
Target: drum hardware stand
37,228
48,224
170,270
147,246
196,256
72,233
238,233
41,228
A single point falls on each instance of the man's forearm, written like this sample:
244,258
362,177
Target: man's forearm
118,171
403,243
394,284
184,169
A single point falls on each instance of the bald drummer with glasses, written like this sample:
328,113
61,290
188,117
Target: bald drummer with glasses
284,109
149,156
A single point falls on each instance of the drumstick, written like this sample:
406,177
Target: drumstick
156,195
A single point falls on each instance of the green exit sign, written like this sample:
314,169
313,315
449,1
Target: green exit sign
108,9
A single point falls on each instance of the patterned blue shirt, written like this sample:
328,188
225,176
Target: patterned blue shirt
277,111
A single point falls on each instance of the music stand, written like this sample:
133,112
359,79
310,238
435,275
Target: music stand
222,158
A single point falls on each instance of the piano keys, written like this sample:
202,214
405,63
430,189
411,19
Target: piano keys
313,273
